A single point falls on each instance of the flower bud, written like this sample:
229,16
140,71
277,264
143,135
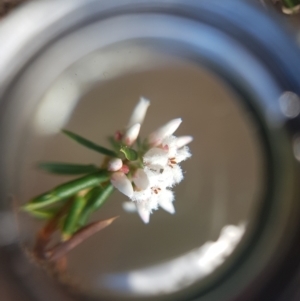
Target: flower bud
139,112
120,181
167,130
115,164
131,134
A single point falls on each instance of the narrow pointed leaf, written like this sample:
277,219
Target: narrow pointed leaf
95,199
89,144
130,154
73,215
44,214
80,236
99,201
92,195
67,169
66,190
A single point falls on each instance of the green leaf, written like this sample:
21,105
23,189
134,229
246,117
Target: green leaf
66,190
89,144
96,203
67,169
44,214
95,199
71,220
130,154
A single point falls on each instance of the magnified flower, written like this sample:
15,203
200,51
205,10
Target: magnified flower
144,170
155,169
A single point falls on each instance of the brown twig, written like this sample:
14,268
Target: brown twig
44,235
63,248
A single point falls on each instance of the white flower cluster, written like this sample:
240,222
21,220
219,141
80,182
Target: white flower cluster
150,186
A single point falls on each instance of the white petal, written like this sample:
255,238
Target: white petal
166,198
154,174
183,140
156,156
169,144
115,164
183,154
167,130
129,206
122,183
141,196
177,174
131,134
166,178
144,213
140,179
139,112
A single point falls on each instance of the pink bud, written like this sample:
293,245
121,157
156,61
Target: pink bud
118,136
120,181
125,169
114,164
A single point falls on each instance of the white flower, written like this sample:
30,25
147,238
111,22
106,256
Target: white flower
176,149
158,197
161,171
148,180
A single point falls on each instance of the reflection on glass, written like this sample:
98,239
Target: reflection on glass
183,271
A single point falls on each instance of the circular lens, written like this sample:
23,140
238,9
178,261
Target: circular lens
215,202
235,207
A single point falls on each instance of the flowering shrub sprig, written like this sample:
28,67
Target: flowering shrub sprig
143,170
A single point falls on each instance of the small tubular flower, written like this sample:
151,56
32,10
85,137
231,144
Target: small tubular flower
120,181
139,112
168,129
